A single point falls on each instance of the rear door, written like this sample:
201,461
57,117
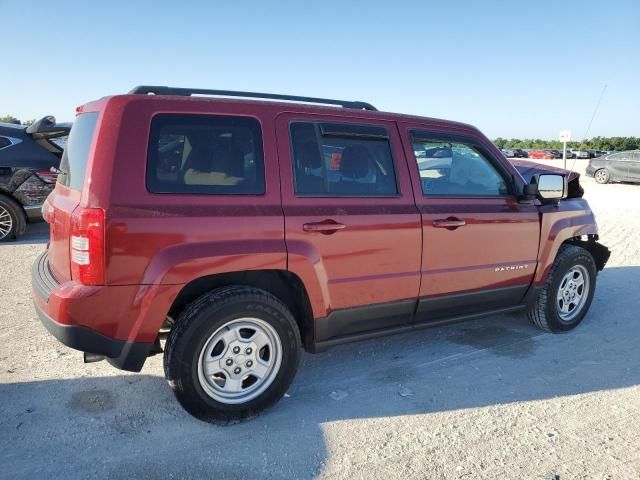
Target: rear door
66,196
351,224
634,166
618,165
480,244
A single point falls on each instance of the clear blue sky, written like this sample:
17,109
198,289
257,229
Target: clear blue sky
512,68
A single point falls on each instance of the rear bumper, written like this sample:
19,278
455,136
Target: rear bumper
34,212
51,304
589,171
119,353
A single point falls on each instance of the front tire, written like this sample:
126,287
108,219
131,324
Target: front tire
232,353
602,176
566,295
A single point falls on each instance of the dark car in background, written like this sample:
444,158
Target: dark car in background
615,167
514,153
580,154
29,161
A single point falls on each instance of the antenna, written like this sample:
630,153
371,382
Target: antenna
595,111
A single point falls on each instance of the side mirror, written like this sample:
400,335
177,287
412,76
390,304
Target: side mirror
551,187
547,187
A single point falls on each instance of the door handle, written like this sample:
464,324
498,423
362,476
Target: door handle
326,227
450,223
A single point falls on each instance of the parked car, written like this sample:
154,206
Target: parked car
223,222
509,152
541,154
615,167
555,153
515,153
28,162
520,153
581,154
596,153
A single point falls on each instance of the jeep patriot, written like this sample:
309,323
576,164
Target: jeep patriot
229,230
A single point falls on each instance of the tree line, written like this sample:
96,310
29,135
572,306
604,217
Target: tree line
14,120
595,143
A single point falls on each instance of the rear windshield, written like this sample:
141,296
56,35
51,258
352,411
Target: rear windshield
76,153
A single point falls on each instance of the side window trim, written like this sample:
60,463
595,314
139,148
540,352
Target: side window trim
12,141
342,130
416,134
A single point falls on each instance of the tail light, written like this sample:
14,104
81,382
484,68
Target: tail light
47,176
87,246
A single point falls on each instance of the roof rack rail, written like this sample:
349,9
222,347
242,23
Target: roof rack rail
157,90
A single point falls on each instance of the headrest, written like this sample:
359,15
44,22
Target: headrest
355,162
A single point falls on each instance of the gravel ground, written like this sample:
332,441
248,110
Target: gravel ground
493,398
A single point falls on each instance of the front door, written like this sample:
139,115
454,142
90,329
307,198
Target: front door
352,230
480,244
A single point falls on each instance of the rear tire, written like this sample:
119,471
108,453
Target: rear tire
12,219
566,295
232,353
602,176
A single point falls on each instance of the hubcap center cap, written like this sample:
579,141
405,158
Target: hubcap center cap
239,364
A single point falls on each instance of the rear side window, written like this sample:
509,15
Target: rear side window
621,157
342,160
73,164
205,154
4,142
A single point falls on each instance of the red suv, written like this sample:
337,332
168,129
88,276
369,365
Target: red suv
242,230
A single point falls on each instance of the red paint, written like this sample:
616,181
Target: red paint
540,154
388,250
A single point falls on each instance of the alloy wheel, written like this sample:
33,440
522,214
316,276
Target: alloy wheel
6,222
602,176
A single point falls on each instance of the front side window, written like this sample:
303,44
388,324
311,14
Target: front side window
342,160
205,155
456,169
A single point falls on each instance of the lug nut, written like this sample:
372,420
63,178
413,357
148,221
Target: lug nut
236,350
249,351
249,364
237,370
229,362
